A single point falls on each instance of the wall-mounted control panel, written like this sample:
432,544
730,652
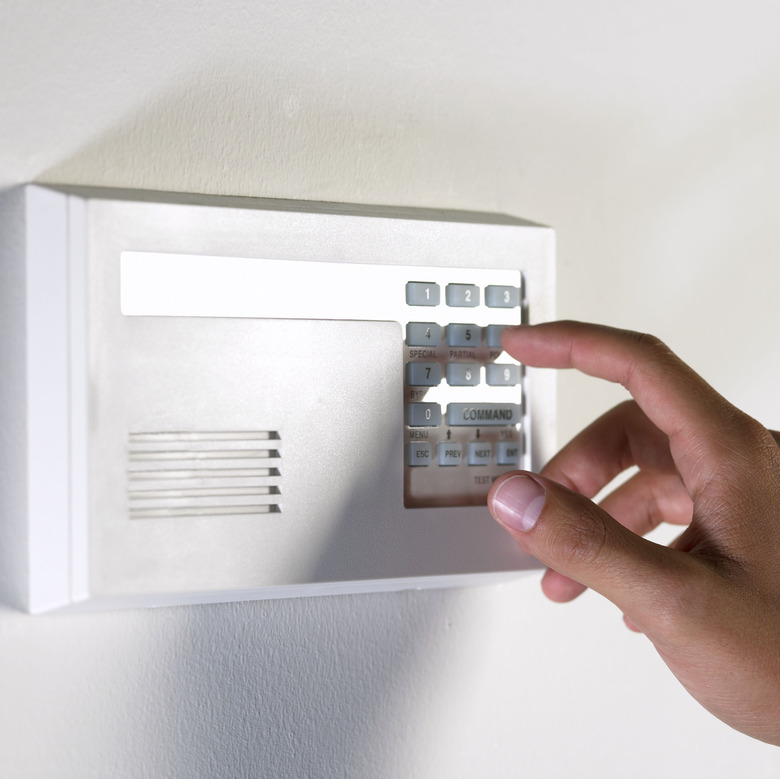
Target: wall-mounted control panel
211,399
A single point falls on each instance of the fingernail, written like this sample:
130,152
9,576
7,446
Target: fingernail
517,502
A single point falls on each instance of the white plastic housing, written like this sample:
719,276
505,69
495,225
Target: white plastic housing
202,398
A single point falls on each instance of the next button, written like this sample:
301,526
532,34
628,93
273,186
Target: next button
479,453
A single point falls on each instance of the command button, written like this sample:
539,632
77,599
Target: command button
482,414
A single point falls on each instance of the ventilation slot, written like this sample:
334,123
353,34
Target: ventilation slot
209,474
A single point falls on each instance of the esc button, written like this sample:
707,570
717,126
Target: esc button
418,454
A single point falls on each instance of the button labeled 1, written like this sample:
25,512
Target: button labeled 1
422,293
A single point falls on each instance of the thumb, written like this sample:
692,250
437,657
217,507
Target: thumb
573,536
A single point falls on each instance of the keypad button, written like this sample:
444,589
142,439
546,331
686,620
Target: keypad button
462,295
418,454
502,297
479,453
463,335
423,374
498,375
450,453
423,334
508,453
423,414
422,293
463,374
493,336
482,414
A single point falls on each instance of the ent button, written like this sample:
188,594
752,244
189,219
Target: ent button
482,414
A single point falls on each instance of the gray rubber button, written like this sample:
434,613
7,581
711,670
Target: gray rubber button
423,374
450,453
508,453
502,297
482,414
422,293
418,454
463,374
498,375
423,414
464,335
462,295
479,453
423,334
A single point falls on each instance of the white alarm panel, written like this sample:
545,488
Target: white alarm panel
209,399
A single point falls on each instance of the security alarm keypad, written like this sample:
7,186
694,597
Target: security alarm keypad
229,398
463,397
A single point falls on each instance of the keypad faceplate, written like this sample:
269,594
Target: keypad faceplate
464,408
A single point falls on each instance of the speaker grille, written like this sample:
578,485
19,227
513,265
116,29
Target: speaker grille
203,474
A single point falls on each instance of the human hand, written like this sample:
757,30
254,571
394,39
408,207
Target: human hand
711,603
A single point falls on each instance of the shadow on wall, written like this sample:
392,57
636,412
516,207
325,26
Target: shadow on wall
237,132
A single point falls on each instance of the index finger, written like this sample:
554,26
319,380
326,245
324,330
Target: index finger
697,420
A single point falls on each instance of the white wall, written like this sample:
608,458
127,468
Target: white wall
647,133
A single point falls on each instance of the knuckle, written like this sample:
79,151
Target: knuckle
650,342
752,432
651,346
748,446
647,350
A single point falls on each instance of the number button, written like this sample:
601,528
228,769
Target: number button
422,293
502,297
463,374
493,336
423,374
502,375
463,335
462,295
423,334
423,414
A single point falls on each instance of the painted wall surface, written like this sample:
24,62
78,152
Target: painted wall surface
647,133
